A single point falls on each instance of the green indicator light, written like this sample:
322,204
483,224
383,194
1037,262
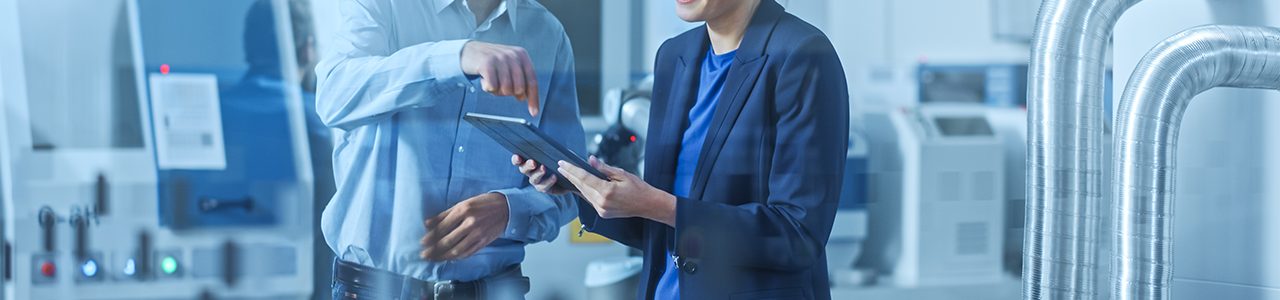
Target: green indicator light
169,265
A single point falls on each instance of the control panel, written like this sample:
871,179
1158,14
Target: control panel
165,158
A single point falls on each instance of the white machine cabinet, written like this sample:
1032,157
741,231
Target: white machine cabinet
937,208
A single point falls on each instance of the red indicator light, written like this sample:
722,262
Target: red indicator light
47,269
633,138
164,69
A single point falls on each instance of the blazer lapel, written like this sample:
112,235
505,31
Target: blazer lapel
743,72
675,119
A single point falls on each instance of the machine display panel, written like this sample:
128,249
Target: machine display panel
963,126
953,87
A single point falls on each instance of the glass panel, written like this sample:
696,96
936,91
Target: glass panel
953,86
79,70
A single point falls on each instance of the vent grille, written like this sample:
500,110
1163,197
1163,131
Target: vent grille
971,238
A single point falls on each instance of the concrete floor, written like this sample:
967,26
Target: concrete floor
1008,289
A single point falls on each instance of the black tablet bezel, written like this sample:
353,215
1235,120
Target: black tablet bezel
511,132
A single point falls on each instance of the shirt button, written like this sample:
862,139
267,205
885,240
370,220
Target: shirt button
459,148
461,85
473,89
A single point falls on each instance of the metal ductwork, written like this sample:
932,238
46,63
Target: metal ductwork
1064,147
1147,125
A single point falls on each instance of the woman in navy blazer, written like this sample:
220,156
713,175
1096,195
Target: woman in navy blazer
764,194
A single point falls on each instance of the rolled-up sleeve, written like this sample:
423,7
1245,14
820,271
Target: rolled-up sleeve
365,77
535,216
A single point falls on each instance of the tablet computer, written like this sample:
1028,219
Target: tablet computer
524,139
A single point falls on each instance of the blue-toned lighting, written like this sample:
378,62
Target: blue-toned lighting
129,267
89,268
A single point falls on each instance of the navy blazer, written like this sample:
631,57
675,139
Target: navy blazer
767,183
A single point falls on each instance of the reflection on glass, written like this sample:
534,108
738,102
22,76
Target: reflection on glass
234,45
81,88
961,87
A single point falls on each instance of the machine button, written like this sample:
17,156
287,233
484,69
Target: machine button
169,265
166,264
89,268
44,270
130,267
47,269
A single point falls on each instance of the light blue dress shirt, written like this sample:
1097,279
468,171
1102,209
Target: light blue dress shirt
392,80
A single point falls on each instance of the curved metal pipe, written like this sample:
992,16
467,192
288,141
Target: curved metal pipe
1147,124
1064,147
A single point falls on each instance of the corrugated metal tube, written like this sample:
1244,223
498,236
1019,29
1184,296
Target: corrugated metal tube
1147,125
1064,147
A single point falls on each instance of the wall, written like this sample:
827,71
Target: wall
1225,234
881,42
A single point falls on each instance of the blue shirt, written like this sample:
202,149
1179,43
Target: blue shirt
710,85
391,79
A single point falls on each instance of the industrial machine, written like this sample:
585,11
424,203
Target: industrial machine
935,190
622,143
1002,88
997,85
163,156
850,228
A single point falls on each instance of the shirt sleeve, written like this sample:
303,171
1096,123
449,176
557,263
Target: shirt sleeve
535,216
365,77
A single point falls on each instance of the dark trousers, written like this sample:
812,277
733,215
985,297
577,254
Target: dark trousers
508,284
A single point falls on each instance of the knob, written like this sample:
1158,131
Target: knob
47,220
100,198
143,263
81,225
230,257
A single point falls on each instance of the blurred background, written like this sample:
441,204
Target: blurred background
169,149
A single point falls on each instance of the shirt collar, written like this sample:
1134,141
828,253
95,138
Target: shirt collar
508,5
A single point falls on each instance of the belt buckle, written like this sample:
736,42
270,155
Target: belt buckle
443,290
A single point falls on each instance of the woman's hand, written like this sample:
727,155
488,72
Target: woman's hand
624,195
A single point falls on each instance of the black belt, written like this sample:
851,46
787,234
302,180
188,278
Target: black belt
386,282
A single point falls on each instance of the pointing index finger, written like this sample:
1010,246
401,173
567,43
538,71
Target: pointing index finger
531,80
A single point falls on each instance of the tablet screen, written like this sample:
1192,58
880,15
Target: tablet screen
524,139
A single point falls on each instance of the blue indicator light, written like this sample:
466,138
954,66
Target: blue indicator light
129,267
89,268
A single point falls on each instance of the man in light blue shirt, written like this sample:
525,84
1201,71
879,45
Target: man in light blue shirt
424,197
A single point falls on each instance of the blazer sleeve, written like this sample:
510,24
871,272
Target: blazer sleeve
631,231
628,231
789,231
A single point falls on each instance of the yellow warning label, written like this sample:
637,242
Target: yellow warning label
587,236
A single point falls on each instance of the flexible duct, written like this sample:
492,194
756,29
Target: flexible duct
1064,155
1147,124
